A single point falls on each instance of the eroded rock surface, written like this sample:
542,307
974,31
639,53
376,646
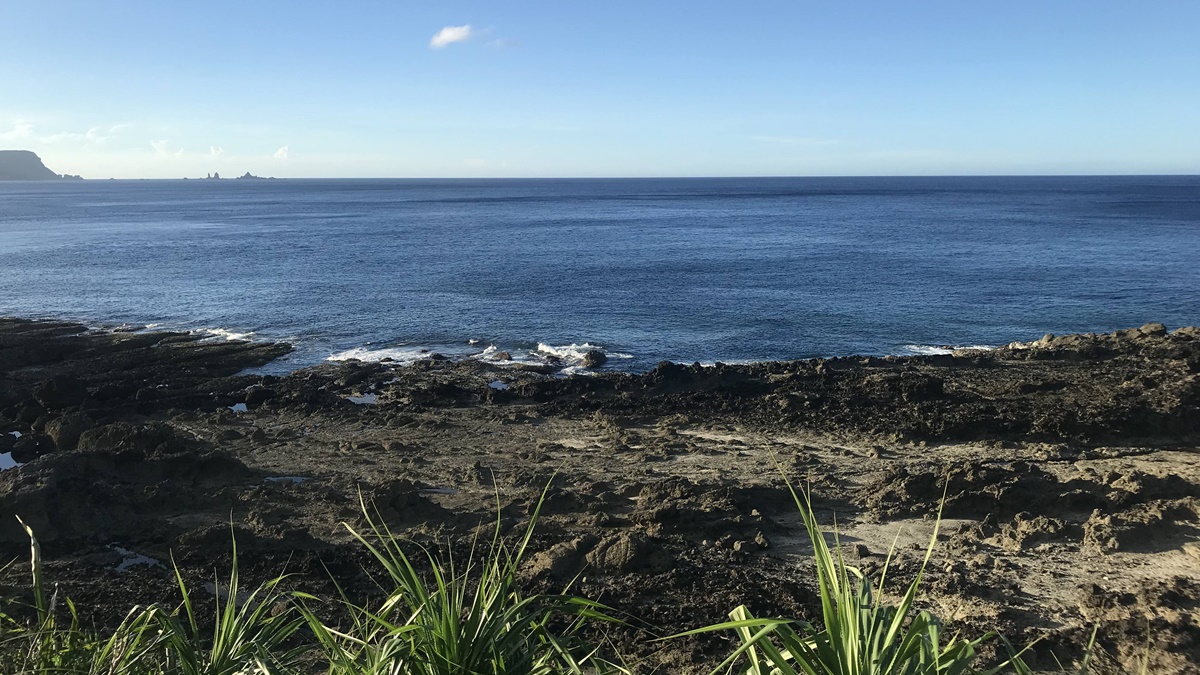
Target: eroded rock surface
1068,464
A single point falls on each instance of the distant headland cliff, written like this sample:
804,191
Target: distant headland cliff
25,165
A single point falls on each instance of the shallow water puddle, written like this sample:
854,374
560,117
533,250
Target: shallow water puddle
14,434
438,491
222,592
498,385
294,480
239,408
7,461
129,559
365,399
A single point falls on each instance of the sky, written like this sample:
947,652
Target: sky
154,89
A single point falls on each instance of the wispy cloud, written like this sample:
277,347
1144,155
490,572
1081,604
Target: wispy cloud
21,129
794,140
93,136
282,153
452,34
163,149
504,43
216,151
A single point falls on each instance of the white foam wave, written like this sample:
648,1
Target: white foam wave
571,352
724,362
925,350
576,352
401,355
568,358
936,350
225,334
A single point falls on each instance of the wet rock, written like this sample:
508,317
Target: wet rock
31,446
594,359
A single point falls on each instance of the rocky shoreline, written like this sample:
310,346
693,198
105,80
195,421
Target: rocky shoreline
1073,496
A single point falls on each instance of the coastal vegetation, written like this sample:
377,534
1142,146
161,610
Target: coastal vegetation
437,617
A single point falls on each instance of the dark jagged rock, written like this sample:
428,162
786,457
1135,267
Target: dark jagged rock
594,359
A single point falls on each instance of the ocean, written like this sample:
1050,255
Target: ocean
722,269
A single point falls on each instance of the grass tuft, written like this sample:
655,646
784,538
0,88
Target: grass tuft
471,619
861,634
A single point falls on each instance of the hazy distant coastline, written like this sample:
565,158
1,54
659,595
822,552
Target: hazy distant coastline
25,165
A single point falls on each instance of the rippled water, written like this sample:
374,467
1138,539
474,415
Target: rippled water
647,269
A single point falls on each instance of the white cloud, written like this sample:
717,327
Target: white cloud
282,153
475,163
21,129
452,34
93,136
216,151
162,150
100,136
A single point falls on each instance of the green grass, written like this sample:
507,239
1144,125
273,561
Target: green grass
861,635
468,620
440,616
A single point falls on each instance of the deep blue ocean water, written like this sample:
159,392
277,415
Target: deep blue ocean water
649,269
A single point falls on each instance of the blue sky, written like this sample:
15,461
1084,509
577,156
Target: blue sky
565,88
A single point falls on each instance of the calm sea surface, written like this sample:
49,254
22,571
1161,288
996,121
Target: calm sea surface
649,269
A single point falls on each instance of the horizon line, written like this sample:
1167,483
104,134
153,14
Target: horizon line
647,177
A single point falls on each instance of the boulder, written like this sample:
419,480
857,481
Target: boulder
65,430
257,395
31,446
594,359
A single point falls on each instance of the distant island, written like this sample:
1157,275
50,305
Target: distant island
25,165
245,176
